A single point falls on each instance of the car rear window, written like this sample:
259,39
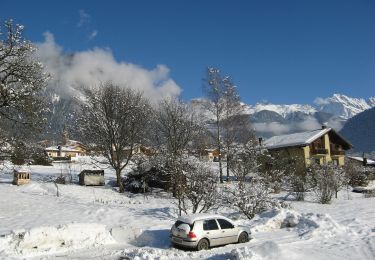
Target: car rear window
178,222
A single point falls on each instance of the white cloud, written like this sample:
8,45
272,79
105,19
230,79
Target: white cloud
308,124
84,18
321,101
93,34
273,128
94,66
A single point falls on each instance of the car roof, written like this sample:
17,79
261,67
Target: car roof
190,219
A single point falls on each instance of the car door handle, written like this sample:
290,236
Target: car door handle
208,233
223,231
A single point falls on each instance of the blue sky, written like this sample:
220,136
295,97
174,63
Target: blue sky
276,51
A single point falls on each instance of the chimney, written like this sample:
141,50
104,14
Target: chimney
260,140
59,152
364,160
324,126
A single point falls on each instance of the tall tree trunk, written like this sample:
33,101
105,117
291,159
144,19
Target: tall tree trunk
119,181
228,163
219,146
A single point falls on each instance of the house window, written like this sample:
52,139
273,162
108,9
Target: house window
335,162
316,160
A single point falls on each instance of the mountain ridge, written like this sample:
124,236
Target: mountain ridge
274,119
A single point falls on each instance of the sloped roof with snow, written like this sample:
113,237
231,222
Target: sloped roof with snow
360,159
296,139
63,149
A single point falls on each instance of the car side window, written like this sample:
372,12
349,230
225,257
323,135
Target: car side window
224,224
210,224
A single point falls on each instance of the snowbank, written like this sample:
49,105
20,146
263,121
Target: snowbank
307,225
43,240
265,251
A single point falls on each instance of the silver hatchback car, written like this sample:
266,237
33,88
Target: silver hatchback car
201,231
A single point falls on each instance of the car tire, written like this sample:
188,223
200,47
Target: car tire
243,238
203,244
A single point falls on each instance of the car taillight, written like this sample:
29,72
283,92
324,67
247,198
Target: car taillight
192,235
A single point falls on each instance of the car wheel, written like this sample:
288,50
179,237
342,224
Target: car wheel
243,238
203,244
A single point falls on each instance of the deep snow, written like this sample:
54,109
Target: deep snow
99,223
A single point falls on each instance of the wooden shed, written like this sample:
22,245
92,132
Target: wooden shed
91,178
21,177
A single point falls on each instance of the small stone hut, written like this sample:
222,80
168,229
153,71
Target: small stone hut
91,178
21,177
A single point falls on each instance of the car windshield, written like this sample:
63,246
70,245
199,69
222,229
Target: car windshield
178,222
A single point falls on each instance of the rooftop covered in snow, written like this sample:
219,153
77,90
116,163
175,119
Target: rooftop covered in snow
360,159
302,139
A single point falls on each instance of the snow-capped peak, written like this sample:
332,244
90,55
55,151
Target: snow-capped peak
344,106
371,101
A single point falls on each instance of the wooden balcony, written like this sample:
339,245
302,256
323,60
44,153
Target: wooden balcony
319,151
337,152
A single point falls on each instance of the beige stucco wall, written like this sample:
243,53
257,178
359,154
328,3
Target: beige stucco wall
323,158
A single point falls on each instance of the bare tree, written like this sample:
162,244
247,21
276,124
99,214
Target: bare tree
113,121
22,80
176,128
231,126
214,88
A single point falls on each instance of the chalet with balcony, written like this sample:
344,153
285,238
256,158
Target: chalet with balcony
321,146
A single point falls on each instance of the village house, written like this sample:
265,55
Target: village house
320,146
211,154
140,149
68,149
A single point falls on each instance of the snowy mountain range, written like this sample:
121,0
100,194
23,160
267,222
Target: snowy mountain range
274,119
338,105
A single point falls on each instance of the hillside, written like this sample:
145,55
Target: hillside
360,131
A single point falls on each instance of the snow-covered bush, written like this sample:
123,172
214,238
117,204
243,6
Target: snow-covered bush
251,198
198,192
370,194
326,180
244,162
357,174
280,170
275,171
147,174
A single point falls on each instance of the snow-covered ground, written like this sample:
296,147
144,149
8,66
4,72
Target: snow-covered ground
79,222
